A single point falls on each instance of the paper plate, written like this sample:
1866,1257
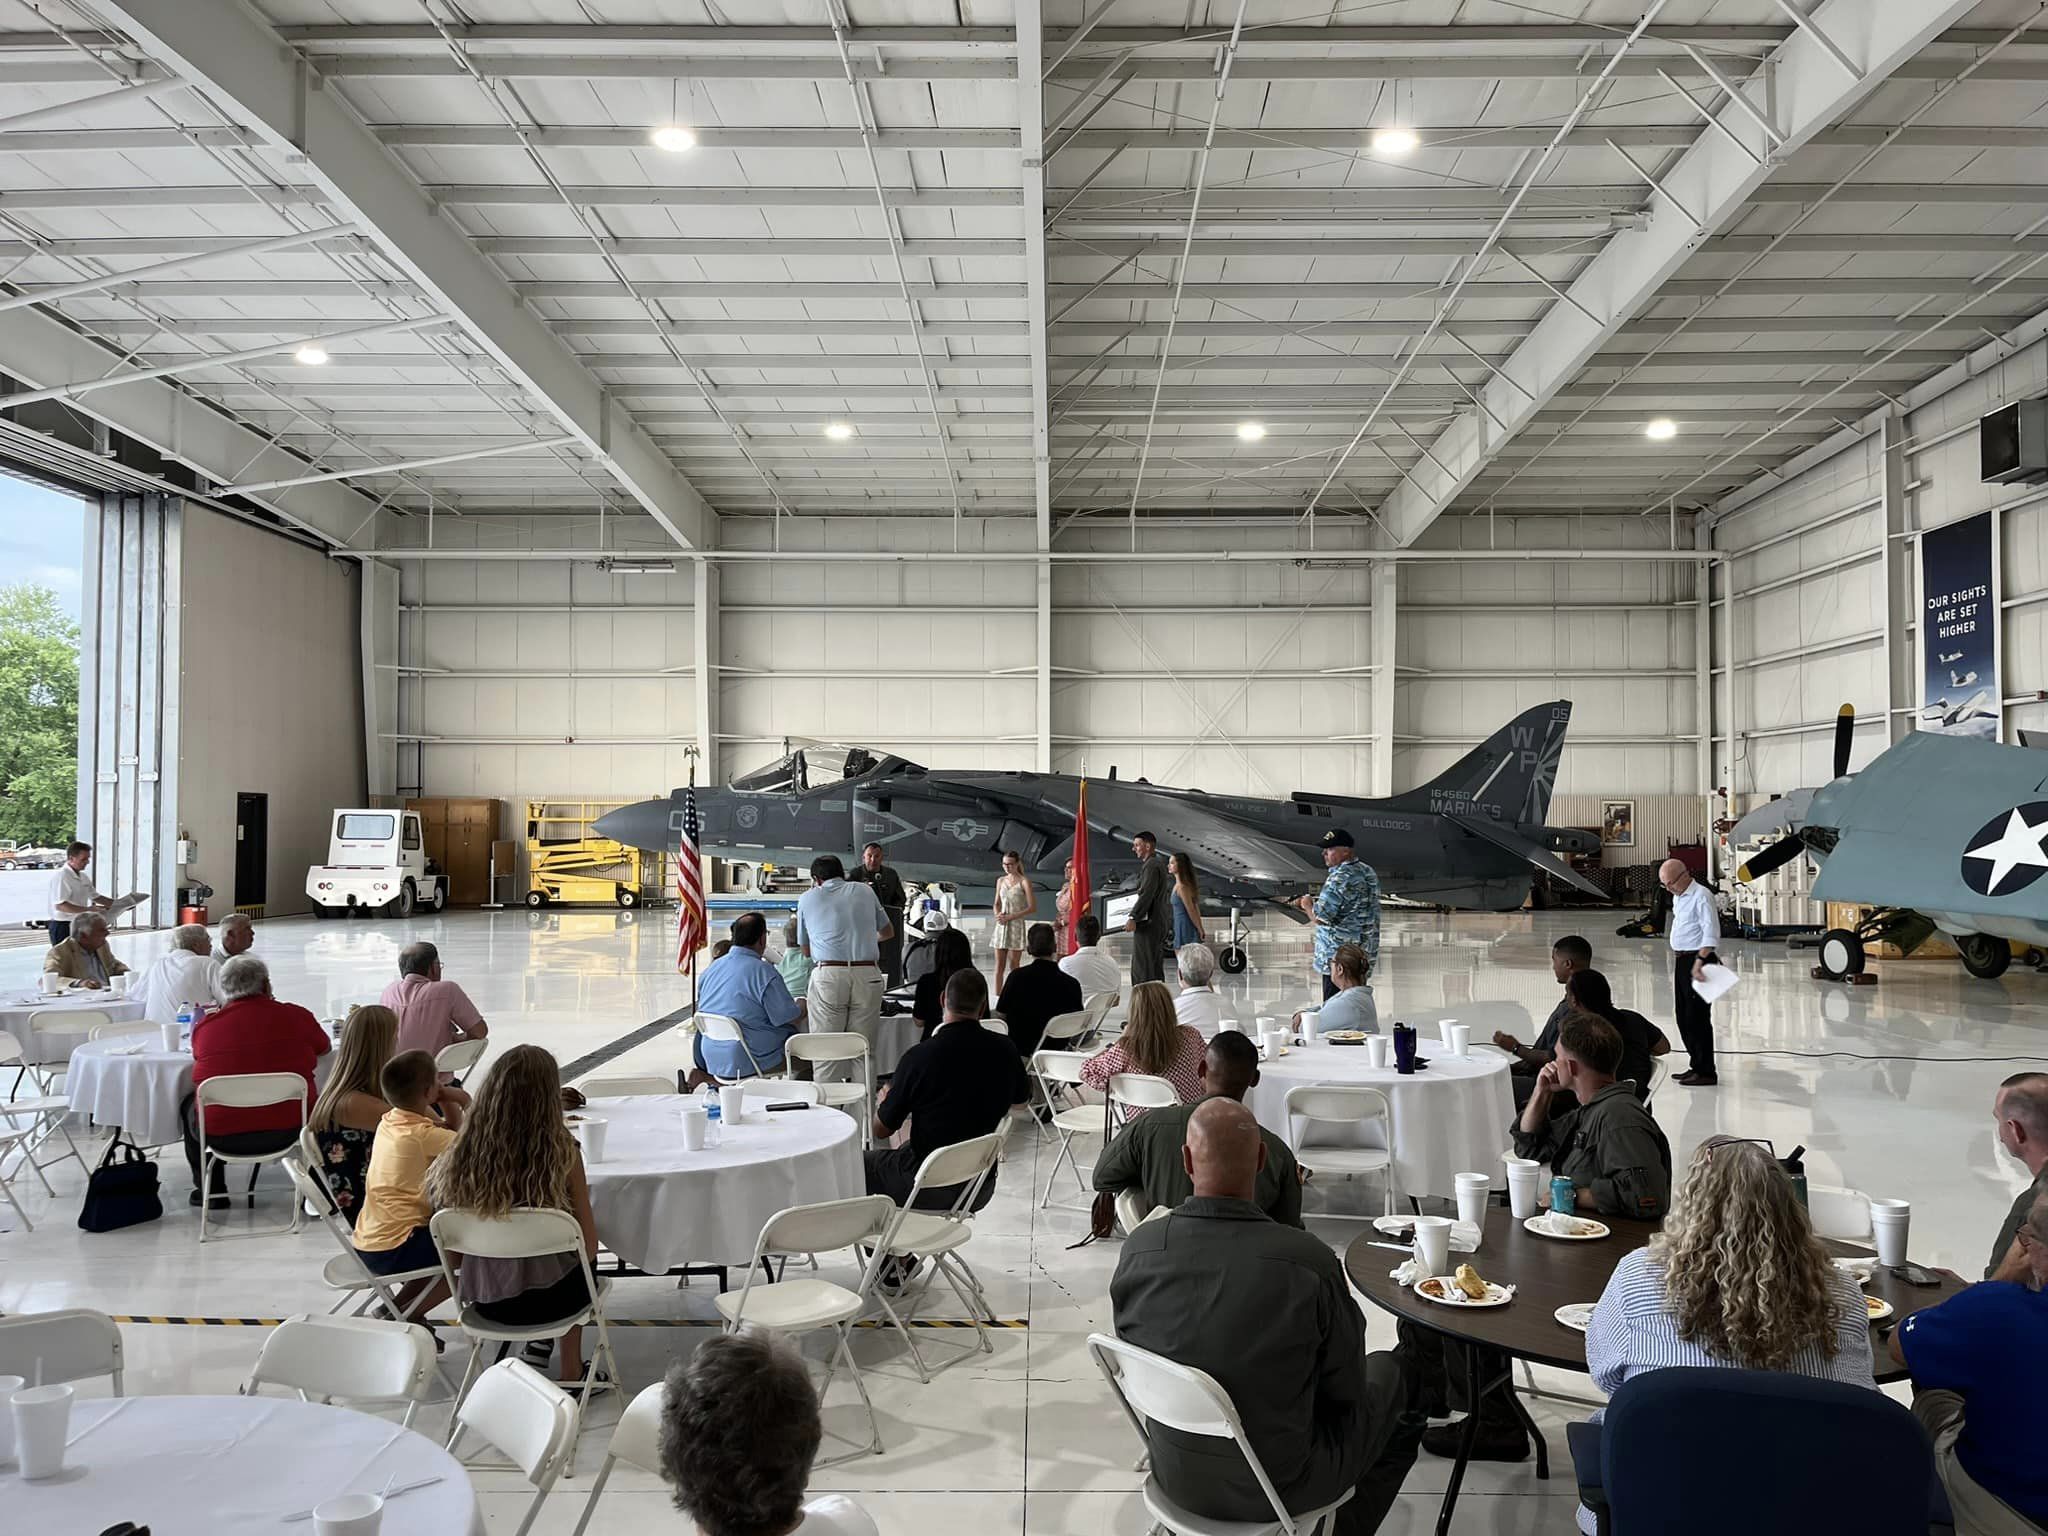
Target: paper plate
1442,1290
1577,1315
1590,1231
1880,1309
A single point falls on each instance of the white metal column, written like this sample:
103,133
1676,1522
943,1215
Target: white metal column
1703,683
704,654
1381,659
1901,556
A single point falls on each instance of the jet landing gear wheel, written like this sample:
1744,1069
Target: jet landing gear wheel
1841,954
1232,959
1983,956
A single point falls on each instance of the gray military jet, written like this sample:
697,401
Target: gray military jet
1940,831
1466,839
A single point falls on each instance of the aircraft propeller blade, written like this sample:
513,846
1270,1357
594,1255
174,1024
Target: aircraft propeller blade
1845,732
1780,853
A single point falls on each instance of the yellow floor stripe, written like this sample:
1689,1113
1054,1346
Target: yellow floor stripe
615,1322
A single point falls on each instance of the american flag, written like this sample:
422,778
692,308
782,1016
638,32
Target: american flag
693,925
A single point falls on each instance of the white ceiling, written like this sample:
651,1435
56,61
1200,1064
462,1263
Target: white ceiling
735,300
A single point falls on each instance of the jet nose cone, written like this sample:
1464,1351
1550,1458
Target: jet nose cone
614,825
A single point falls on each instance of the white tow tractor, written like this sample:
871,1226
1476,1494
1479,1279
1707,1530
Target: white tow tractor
376,862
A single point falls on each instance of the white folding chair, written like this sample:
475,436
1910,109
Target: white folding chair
458,1058
636,1440
716,1026
1153,1389
346,1272
1843,1214
1129,1091
521,1234
69,1346
1055,1070
807,1305
1360,1110
1659,1071
781,1090
62,1028
520,1412
41,1117
939,1236
627,1086
135,1029
349,1359
857,1099
1062,1030
1097,1008
247,1090
15,1138
1131,1212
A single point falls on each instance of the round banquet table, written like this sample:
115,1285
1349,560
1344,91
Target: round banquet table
659,1205
1450,1117
225,1466
1548,1273
131,1082
16,1009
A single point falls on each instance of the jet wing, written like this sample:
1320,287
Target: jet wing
1513,842
1218,842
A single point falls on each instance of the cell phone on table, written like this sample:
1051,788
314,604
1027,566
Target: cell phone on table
1913,1274
792,1104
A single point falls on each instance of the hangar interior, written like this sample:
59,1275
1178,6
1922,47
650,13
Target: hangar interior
532,400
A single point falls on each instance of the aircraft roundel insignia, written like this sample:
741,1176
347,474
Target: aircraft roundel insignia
2007,854
747,816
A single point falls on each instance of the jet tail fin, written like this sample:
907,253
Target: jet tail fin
1506,778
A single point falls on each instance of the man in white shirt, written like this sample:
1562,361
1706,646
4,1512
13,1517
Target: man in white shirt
237,937
840,924
71,892
183,974
1088,965
1695,930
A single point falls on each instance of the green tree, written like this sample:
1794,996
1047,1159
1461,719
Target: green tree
38,716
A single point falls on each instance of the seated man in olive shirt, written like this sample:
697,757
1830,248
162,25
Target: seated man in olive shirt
1145,1160
1266,1311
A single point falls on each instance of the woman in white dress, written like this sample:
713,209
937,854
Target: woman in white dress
1016,905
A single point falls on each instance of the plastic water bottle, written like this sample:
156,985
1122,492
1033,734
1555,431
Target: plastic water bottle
188,1016
712,1118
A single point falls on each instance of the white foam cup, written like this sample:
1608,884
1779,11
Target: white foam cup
353,1514
1473,1189
1433,1244
593,1139
1376,1047
732,1105
1311,1022
695,1124
1525,1184
120,985
42,1420
1889,1220
1458,1037
172,1036
1443,1029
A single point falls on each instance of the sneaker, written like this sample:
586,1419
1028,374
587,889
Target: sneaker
896,1276
1494,1442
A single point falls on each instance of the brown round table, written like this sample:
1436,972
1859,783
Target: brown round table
1549,1273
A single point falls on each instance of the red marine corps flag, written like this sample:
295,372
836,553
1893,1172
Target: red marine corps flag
692,924
1077,893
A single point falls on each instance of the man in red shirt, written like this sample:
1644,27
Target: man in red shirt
254,1032
432,1014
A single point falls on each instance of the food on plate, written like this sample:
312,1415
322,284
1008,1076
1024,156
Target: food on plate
1436,1288
1346,1036
1468,1281
1570,1226
1877,1307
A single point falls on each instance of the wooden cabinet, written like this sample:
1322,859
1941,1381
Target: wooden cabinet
459,832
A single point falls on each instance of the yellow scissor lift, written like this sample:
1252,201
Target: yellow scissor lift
566,863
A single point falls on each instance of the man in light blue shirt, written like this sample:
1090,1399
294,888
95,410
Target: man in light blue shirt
743,985
1347,909
1695,930
840,924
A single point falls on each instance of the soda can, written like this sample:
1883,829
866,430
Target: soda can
1561,1199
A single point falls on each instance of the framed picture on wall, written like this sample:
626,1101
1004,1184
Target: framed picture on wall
1618,823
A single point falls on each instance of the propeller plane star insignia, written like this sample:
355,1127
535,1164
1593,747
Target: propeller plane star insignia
2010,844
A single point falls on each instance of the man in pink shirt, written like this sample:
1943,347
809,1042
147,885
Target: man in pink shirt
432,1013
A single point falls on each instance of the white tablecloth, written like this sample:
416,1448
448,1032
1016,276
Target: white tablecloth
893,1036
1450,1117
141,1091
659,1205
224,1466
17,1009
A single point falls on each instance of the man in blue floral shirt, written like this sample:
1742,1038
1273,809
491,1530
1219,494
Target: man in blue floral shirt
1347,909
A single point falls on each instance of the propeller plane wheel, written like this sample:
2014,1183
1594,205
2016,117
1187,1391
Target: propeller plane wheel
1232,959
1841,954
1983,956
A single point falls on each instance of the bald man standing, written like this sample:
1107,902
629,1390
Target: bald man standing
1695,930
1264,1309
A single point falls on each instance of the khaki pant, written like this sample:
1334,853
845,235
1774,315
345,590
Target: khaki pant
1977,1511
844,997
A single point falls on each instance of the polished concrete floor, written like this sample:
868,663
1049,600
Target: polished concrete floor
1888,1087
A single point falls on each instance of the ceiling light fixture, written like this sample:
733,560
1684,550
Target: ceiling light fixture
839,431
1250,431
311,354
1395,141
617,567
1662,430
674,138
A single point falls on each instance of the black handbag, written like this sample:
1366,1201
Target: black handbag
121,1193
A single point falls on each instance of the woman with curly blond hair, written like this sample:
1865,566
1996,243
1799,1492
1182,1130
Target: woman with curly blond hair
1736,1278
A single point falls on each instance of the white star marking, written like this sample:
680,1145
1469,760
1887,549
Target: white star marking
2018,844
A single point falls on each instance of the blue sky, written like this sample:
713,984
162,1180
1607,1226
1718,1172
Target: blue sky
42,539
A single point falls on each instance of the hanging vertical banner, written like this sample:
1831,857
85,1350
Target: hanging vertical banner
1959,628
